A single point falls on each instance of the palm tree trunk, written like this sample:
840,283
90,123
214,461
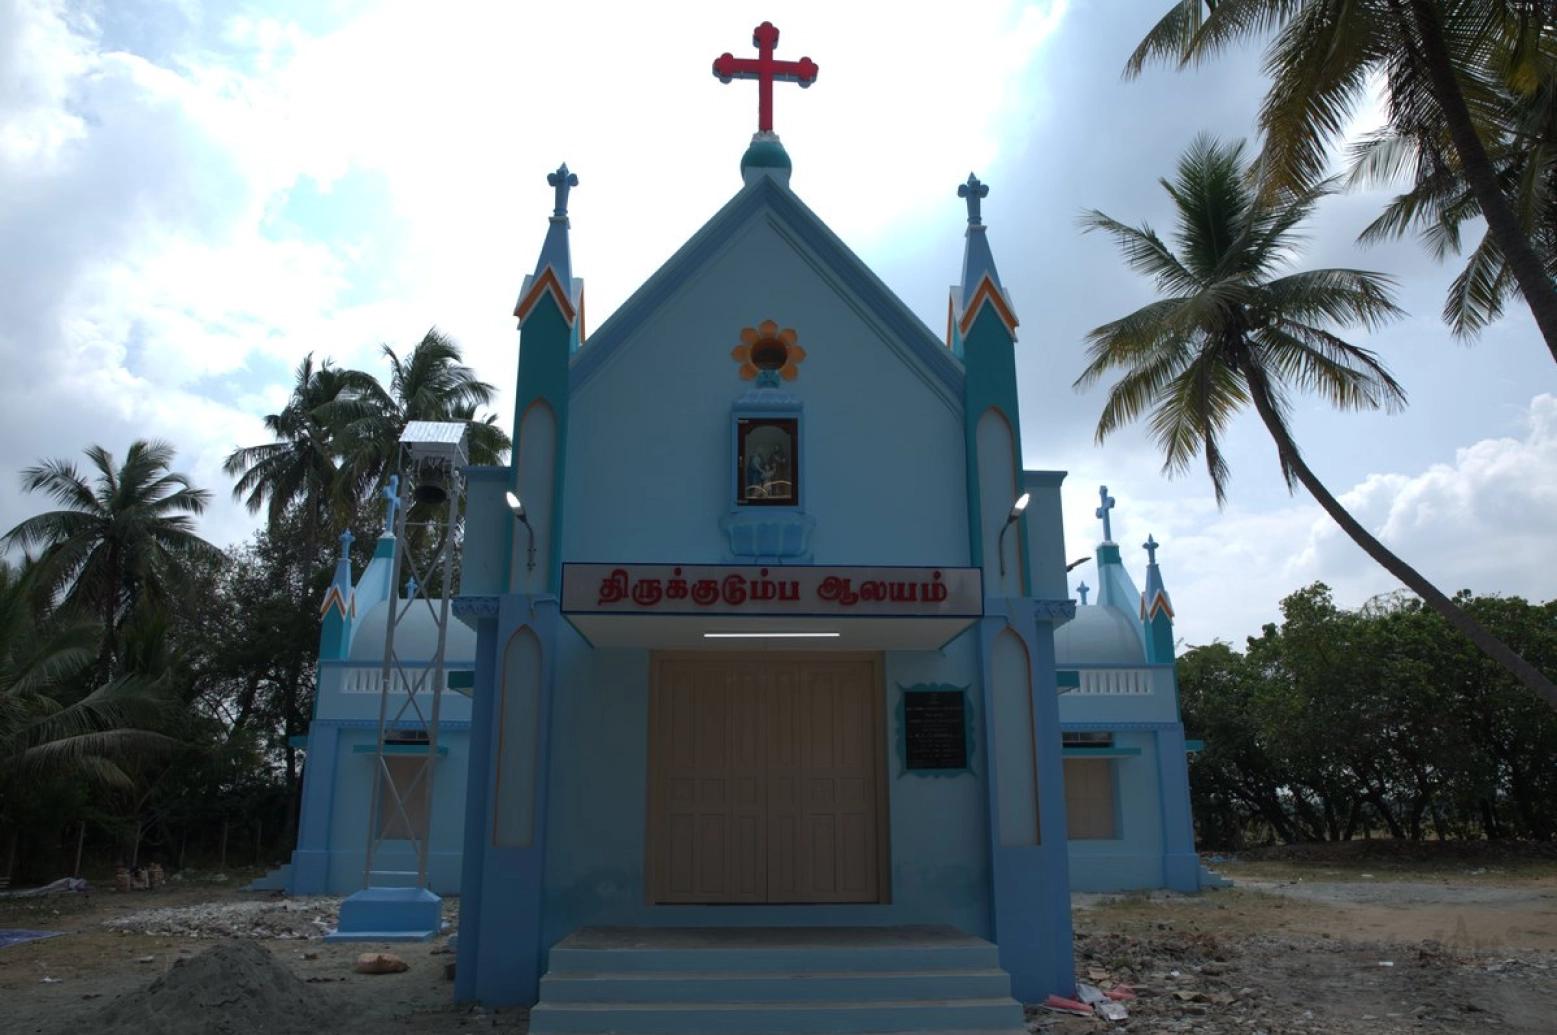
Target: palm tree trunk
1527,268
1451,612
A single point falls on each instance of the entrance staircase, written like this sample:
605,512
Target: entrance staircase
774,981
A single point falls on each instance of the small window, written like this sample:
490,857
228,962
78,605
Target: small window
409,820
1087,739
1089,799
767,468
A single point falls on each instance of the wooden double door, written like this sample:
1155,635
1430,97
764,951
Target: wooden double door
765,779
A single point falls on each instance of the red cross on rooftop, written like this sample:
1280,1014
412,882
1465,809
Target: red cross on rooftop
765,70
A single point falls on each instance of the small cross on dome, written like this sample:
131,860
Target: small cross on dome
563,181
974,191
1082,590
1150,546
1102,512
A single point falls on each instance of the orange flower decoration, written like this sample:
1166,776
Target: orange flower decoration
765,347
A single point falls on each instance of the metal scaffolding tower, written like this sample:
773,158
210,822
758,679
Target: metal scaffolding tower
425,500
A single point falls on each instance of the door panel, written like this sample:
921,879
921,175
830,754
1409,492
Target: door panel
764,781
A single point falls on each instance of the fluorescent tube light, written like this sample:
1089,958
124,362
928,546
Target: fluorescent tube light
772,636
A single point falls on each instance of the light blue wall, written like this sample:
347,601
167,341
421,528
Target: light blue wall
595,868
488,524
648,481
1133,860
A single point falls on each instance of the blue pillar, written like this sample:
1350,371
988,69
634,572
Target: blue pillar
1180,864
1030,883
483,736
311,860
1057,960
501,953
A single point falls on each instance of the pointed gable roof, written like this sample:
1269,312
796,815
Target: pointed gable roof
767,195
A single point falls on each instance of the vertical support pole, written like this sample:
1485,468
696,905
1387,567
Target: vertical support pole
386,686
439,677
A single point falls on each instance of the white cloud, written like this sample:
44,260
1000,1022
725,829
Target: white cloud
191,203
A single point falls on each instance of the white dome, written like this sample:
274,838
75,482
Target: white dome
416,637
1099,636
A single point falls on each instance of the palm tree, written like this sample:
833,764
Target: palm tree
1520,134
432,384
1443,63
119,541
51,724
1233,329
301,468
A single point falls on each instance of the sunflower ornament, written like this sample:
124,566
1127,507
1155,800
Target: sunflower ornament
765,348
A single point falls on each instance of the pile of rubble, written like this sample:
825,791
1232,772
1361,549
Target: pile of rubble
299,918
1121,977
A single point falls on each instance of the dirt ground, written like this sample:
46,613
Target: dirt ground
1297,946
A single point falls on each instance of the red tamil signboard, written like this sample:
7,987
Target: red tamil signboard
796,590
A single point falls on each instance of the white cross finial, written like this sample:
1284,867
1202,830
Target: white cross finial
392,494
1102,512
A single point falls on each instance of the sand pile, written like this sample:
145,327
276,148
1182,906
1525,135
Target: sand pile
233,988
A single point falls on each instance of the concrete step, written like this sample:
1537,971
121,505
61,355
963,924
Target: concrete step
799,950
1002,1015
728,986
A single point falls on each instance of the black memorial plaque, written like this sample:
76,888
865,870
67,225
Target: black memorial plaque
935,729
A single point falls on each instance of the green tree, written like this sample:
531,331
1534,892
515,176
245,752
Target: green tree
1233,331
1520,132
55,727
1443,63
430,384
1236,784
301,470
118,541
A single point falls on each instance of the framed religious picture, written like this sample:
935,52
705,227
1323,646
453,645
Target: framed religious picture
767,466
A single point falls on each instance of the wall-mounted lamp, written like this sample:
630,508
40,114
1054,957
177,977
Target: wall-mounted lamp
516,505
1016,512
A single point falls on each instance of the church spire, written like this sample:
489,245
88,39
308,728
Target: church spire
1156,609
339,606
980,285
553,274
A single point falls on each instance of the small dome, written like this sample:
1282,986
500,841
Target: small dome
1099,635
416,637
765,157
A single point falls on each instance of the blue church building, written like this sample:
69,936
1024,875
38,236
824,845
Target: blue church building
1126,777
773,646
779,704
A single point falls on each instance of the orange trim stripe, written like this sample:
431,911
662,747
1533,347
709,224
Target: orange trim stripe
987,292
546,281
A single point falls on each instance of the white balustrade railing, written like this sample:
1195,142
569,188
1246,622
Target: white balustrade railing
366,679
1114,682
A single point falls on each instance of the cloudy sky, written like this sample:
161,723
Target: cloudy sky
193,195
